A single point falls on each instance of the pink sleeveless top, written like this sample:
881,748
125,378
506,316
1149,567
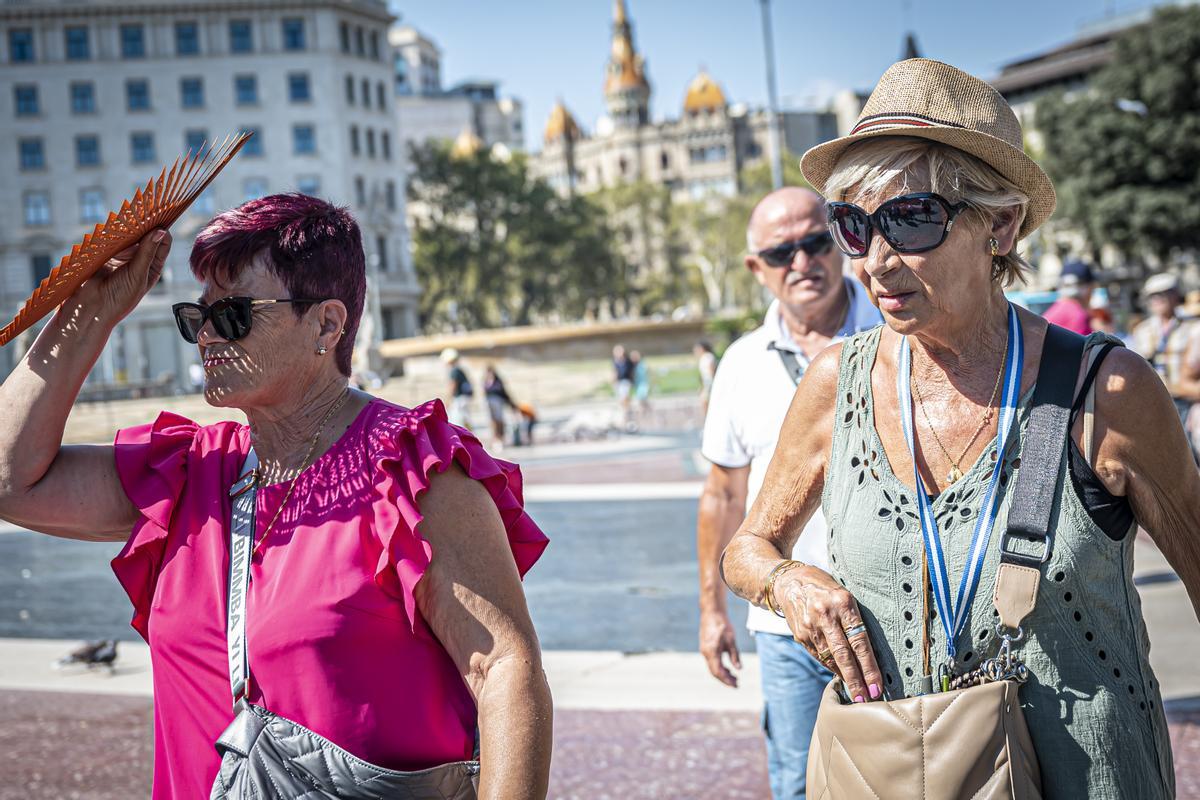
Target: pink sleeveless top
335,640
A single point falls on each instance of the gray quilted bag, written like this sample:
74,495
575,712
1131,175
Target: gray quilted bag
267,757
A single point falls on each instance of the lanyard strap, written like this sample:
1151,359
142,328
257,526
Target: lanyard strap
953,615
241,547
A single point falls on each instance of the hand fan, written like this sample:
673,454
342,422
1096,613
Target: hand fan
157,205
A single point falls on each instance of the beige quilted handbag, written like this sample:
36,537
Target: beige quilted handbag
969,743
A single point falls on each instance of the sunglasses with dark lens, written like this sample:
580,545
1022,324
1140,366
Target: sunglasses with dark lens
231,317
782,255
910,223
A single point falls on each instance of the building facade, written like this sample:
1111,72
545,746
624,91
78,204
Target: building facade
427,111
96,97
699,153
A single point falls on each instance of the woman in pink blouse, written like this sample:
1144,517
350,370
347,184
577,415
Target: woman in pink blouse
384,609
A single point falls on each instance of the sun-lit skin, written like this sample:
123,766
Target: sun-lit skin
955,316
275,374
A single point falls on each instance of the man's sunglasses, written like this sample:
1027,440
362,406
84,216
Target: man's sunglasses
781,255
910,223
231,317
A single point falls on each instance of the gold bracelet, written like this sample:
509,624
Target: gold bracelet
769,589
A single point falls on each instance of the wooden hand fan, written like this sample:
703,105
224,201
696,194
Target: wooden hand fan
157,205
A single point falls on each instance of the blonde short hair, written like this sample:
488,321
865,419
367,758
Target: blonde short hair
872,166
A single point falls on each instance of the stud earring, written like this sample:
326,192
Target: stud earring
321,350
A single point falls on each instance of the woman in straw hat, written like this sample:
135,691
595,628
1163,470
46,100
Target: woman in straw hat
910,436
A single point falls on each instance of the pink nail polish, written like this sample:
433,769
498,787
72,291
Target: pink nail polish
858,698
874,690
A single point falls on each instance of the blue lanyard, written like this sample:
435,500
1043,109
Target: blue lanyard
954,617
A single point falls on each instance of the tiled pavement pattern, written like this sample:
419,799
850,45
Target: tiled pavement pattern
97,747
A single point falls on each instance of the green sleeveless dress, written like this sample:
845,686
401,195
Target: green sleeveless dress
1092,702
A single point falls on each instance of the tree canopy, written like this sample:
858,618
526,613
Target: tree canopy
494,246
1125,155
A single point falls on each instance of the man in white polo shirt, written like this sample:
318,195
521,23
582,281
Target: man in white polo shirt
792,255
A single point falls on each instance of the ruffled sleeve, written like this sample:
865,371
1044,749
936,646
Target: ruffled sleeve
151,463
408,449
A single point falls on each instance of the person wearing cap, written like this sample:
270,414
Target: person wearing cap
1170,340
930,195
791,253
1070,310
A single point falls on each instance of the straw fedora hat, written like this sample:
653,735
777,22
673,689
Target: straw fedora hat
931,100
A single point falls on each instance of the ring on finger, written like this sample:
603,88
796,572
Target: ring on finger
856,630
824,656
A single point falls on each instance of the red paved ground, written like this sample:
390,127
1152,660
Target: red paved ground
96,747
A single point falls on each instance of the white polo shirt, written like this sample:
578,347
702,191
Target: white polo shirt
750,397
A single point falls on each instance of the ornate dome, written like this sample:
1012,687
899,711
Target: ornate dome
703,94
561,125
466,145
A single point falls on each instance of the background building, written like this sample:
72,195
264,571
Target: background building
427,111
96,97
700,152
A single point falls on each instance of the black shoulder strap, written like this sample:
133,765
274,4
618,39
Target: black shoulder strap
1044,448
1090,378
792,364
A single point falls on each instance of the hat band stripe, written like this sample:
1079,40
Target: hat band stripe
911,120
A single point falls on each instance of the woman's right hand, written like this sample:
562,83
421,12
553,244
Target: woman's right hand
820,612
122,282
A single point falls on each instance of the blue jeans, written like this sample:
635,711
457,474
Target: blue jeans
792,682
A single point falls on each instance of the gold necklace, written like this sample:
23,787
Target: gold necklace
312,445
956,472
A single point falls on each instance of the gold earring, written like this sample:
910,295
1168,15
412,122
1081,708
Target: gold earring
995,247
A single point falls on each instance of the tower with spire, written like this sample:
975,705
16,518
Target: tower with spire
626,89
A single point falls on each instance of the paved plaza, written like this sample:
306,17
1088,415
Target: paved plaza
637,715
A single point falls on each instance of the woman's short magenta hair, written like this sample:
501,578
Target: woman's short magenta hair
314,247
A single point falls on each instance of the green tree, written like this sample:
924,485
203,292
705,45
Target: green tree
1125,155
494,246
640,214
714,229
755,181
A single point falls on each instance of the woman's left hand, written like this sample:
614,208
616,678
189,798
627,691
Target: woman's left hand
825,618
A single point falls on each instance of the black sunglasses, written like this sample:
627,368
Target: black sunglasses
910,223
231,317
781,255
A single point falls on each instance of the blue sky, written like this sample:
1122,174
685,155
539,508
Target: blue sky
544,49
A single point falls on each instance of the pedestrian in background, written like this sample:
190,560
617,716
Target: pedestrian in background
459,388
706,365
1170,340
790,252
1070,310
641,385
498,402
622,378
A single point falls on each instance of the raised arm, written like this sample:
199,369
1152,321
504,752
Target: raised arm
818,609
1142,453
471,596
70,491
